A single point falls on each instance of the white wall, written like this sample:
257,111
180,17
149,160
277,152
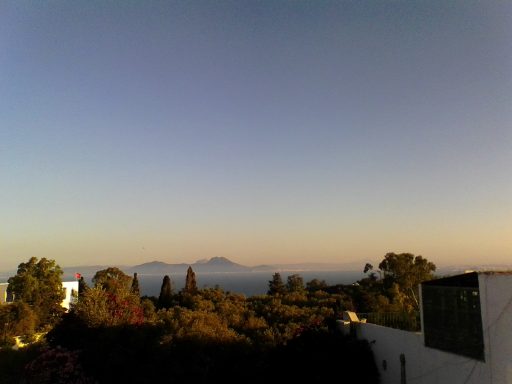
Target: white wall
3,292
423,365
69,286
496,306
431,366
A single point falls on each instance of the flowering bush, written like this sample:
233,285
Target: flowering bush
98,307
56,366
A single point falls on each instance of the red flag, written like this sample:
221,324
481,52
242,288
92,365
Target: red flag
77,275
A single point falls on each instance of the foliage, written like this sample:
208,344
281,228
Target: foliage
16,319
316,285
407,271
149,310
56,366
99,307
13,362
189,354
112,301
215,336
112,280
395,289
295,283
318,355
183,323
39,284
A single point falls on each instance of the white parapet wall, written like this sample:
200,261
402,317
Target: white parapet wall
422,365
496,306
402,356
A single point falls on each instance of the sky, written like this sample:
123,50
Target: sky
261,131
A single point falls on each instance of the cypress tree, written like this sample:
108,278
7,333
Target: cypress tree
276,285
135,285
165,298
82,285
190,282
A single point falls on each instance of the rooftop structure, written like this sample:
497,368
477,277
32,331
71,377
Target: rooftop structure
70,290
465,337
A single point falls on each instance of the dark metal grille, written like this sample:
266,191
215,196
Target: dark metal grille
452,319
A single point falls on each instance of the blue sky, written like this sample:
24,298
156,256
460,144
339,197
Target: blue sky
260,131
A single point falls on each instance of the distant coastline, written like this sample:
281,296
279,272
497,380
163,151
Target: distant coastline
238,278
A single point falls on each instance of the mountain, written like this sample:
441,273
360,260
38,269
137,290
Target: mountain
212,265
217,261
224,265
215,264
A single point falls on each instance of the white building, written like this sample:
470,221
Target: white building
3,293
70,289
466,334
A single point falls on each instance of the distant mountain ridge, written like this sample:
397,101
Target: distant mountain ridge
224,265
215,264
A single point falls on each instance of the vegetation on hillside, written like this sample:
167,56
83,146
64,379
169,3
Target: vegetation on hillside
199,335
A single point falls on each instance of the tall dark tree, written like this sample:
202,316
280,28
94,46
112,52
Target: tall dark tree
276,286
39,284
135,285
316,285
82,286
165,298
190,282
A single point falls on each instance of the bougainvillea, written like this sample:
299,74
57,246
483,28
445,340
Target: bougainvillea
56,366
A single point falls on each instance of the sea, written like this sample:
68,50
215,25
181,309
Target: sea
246,283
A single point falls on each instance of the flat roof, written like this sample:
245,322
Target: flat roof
465,280
468,279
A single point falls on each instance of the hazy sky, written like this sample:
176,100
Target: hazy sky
262,131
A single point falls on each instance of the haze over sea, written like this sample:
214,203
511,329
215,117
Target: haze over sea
247,283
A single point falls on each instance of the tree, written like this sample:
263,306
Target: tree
408,271
82,286
112,300
16,319
295,283
276,286
99,307
39,284
372,276
165,297
135,285
112,280
316,285
190,282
